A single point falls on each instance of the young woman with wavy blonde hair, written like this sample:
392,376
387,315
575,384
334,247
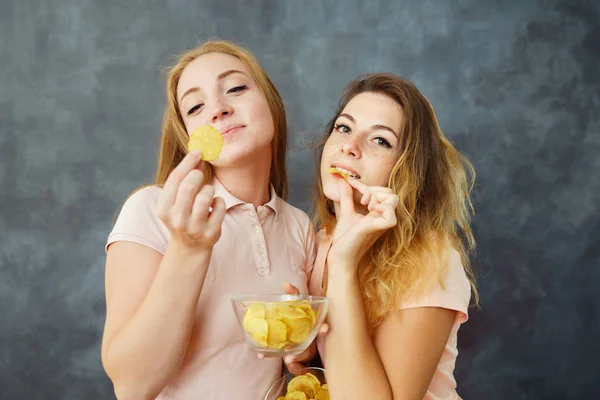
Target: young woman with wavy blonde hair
394,245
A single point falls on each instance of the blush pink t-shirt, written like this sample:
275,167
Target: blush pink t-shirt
259,249
454,295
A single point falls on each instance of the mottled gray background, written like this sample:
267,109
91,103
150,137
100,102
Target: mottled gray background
516,85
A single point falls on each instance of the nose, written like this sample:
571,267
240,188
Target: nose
219,110
351,148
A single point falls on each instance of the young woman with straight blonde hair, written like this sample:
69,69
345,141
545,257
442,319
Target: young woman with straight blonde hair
206,230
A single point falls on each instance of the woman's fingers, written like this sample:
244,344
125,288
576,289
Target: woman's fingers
171,186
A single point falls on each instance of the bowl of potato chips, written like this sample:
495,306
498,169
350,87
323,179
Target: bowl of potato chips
306,384
280,325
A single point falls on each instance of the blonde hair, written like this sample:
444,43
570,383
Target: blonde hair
174,135
433,181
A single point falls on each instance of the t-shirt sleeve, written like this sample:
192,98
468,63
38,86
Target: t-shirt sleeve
137,221
455,294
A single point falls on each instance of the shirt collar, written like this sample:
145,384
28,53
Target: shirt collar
232,201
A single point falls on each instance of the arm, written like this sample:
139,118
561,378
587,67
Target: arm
410,344
401,358
397,363
151,300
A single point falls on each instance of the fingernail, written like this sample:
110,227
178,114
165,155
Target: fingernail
288,359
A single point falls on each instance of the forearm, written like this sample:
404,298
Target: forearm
363,376
149,350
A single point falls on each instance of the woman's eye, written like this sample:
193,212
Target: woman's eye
382,142
237,89
194,109
342,128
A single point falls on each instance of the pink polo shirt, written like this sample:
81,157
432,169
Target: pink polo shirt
455,295
258,251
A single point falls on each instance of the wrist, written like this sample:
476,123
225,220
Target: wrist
189,255
343,270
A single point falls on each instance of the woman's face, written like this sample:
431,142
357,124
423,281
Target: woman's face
217,89
365,142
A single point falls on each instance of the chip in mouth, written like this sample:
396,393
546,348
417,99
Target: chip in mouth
344,173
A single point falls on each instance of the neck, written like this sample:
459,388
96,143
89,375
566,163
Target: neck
248,182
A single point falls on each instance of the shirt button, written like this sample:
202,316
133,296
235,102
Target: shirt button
256,229
261,249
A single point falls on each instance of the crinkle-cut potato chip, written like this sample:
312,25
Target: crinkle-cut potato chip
317,382
297,395
322,394
309,384
305,387
333,170
208,140
287,323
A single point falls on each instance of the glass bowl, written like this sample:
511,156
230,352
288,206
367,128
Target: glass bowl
280,325
279,389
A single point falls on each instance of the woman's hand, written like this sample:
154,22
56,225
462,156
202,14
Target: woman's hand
189,209
296,362
355,232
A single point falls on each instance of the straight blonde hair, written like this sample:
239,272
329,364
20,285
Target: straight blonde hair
174,138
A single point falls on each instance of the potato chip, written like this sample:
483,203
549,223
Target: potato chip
288,323
208,140
306,386
277,333
299,329
322,394
337,171
297,395
255,311
305,306
282,311
258,330
314,379
304,383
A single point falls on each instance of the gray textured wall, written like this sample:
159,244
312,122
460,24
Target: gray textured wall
516,86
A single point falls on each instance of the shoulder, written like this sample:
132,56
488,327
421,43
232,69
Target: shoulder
292,213
452,289
146,196
137,221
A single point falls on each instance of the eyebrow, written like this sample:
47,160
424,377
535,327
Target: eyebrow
220,77
374,127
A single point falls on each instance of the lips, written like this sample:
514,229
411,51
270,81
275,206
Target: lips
230,129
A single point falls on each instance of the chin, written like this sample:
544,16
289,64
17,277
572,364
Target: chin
233,156
330,191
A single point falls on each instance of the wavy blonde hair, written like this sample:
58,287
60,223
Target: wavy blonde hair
173,145
433,180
